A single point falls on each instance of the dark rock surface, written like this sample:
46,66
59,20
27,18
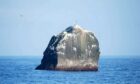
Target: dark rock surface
75,49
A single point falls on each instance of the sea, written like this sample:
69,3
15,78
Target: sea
112,70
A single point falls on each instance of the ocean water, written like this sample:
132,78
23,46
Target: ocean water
20,70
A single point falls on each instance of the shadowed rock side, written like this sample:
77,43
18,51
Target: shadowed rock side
75,49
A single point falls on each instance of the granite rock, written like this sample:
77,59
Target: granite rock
74,49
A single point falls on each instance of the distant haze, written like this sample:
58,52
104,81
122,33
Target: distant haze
26,26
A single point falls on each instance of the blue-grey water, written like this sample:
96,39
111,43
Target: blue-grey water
20,70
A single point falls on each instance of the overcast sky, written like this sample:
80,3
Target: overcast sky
26,26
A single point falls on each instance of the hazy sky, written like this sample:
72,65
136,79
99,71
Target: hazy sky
26,26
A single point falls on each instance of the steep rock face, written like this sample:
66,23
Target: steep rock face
73,49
